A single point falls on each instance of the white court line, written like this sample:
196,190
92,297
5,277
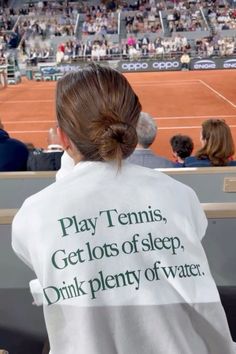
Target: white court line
30,122
146,84
217,93
195,117
41,86
159,128
190,127
26,101
179,82
155,118
161,82
27,131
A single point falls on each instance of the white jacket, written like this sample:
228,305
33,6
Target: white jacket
119,257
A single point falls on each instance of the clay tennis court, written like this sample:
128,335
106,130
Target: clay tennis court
179,101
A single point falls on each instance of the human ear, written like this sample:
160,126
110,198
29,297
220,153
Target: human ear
68,146
64,140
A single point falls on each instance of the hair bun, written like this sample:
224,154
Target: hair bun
118,139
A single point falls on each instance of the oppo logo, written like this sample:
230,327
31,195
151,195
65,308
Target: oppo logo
134,66
204,64
231,63
68,68
165,65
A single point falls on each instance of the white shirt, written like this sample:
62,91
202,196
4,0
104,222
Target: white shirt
119,257
67,165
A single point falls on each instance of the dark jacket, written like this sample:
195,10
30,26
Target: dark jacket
44,161
193,161
178,164
13,153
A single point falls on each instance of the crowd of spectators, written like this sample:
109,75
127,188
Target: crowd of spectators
215,46
217,146
9,37
143,22
46,8
99,20
221,16
7,19
155,48
98,49
40,51
185,16
132,48
69,50
40,22
45,27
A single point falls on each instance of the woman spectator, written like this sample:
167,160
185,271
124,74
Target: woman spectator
217,146
117,247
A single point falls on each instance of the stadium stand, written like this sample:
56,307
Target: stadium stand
208,183
211,184
15,187
105,31
22,328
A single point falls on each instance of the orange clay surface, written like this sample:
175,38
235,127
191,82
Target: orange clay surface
179,102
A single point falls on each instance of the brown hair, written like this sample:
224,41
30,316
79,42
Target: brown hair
98,110
219,145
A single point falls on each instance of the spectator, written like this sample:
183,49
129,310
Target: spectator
143,156
3,69
117,247
59,56
217,146
182,147
13,153
49,159
185,60
31,147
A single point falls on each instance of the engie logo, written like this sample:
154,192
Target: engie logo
228,64
165,65
204,64
68,68
134,66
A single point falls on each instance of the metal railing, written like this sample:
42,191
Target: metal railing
119,56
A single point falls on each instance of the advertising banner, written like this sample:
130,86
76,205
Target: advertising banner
212,64
175,65
146,65
149,65
229,63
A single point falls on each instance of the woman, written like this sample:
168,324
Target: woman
117,247
217,146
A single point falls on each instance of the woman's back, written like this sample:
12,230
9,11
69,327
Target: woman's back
117,247
121,264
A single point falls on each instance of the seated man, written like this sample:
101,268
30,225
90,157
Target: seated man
182,147
143,156
48,159
13,153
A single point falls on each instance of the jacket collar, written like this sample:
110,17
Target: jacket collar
3,135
